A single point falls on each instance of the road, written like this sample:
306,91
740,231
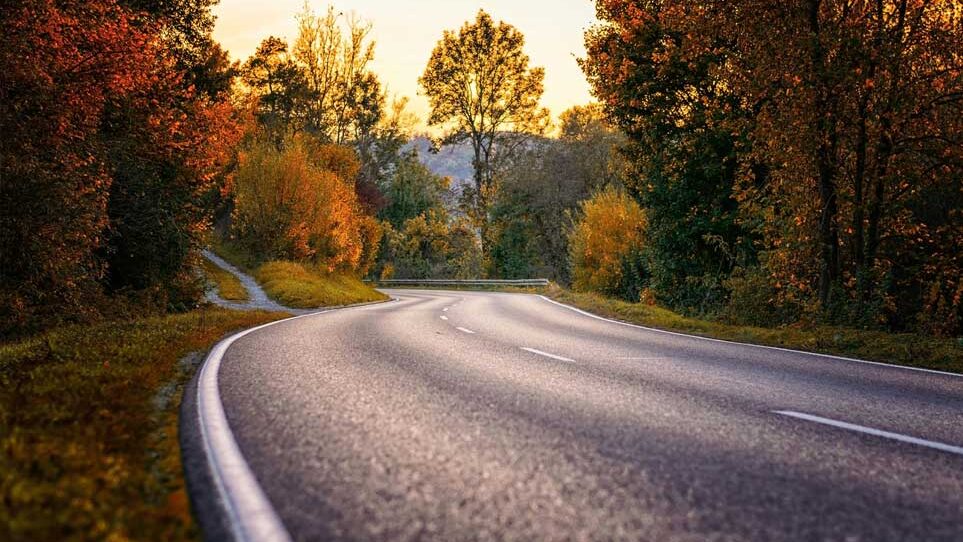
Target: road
490,416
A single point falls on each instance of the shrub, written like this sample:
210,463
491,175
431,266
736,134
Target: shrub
298,203
605,246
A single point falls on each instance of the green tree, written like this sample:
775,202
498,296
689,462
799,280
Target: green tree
479,84
679,118
540,188
412,190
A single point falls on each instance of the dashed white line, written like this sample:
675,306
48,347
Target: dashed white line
875,432
444,318
444,309
547,355
463,330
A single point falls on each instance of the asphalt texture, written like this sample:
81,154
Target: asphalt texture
390,422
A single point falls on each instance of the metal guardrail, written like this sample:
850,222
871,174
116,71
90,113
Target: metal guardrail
461,282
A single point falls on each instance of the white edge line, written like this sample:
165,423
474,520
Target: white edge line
252,518
546,354
464,330
870,431
817,354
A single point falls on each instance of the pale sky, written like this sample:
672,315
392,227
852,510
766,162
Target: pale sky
407,30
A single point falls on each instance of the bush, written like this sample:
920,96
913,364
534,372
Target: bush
755,301
298,203
432,245
605,246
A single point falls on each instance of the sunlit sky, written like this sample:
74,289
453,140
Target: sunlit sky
407,30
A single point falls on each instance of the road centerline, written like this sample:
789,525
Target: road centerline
871,431
546,354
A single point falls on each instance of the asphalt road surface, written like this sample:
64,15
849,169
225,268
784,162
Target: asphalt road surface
487,416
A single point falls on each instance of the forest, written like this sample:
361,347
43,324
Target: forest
756,163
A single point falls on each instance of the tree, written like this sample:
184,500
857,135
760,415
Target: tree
298,203
542,185
346,99
59,66
432,245
106,153
679,117
835,127
478,83
412,190
280,86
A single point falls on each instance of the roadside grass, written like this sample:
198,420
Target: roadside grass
300,286
228,286
88,427
898,349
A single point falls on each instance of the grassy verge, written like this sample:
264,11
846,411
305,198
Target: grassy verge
88,427
901,349
233,255
298,286
228,286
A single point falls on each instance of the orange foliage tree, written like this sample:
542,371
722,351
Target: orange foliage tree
298,202
106,149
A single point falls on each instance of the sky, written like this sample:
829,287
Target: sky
406,31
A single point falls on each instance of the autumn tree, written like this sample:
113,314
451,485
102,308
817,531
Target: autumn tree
298,203
335,51
109,146
323,85
844,120
480,86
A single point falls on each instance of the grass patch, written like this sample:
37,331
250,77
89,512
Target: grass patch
228,286
901,349
233,255
88,427
299,286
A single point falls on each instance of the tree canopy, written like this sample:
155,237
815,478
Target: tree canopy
479,84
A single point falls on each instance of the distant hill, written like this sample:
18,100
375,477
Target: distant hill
451,161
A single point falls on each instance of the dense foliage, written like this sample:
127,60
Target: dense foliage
298,203
810,147
540,187
107,145
606,246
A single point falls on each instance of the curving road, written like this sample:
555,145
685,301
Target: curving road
488,416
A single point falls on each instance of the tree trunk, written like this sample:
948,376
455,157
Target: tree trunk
826,132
